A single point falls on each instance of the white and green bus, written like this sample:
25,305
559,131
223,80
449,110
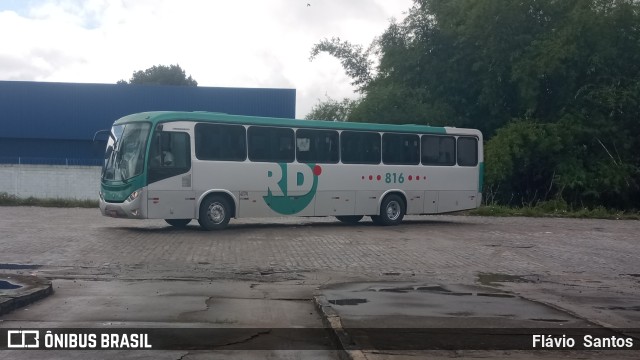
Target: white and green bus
212,167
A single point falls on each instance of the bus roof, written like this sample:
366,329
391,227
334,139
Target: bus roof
202,116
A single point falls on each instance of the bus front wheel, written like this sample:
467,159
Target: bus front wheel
391,211
350,219
215,213
179,223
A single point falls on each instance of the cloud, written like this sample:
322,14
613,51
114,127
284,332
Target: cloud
241,43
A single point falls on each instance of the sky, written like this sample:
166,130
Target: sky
231,43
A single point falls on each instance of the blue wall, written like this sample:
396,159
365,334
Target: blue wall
56,122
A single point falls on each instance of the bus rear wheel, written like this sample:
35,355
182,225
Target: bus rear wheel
350,219
179,223
391,211
215,213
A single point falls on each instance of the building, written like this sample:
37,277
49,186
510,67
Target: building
47,129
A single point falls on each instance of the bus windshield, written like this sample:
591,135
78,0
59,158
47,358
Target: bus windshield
124,157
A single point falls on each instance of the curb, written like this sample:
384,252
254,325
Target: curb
32,289
331,320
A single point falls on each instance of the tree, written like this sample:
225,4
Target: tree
161,75
355,61
332,110
553,85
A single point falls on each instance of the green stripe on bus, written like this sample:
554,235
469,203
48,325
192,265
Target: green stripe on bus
159,117
480,176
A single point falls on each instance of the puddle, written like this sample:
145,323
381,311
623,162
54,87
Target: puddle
396,290
443,305
5,285
436,288
17,266
550,320
461,313
348,301
628,308
498,295
405,289
490,279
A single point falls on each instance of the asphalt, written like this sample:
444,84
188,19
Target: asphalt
373,288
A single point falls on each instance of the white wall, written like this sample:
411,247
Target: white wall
50,181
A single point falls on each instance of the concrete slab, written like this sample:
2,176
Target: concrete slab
242,308
377,320
20,290
420,305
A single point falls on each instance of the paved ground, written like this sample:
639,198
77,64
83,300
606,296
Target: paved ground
586,268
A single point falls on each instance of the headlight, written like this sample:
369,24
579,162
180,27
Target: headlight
134,195
101,196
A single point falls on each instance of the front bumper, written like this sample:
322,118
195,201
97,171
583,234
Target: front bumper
135,209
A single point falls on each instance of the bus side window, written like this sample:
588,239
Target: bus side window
271,144
438,150
467,151
317,146
219,142
400,149
359,147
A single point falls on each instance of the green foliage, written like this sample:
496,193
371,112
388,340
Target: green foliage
553,85
161,75
520,163
353,58
332,110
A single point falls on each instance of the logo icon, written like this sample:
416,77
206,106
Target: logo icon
23,339
292,184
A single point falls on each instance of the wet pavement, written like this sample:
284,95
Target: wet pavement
242,308
440,272
17,291
411,305
397,320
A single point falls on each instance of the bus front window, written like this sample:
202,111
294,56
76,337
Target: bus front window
124,157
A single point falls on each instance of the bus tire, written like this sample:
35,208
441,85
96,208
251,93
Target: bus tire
350,219
391,211
215,213
179,223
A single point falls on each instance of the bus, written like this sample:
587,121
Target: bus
211,167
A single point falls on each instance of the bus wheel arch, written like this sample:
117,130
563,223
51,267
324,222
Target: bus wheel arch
229,197
215,210
393,208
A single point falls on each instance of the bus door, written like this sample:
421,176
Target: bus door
170,193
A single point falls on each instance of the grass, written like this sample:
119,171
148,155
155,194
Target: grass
555,209
12,200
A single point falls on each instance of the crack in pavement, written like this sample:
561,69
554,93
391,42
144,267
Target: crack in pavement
183,356
256,335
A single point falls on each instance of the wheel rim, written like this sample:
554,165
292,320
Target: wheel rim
393,210
216,213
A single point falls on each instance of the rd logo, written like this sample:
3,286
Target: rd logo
291,190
